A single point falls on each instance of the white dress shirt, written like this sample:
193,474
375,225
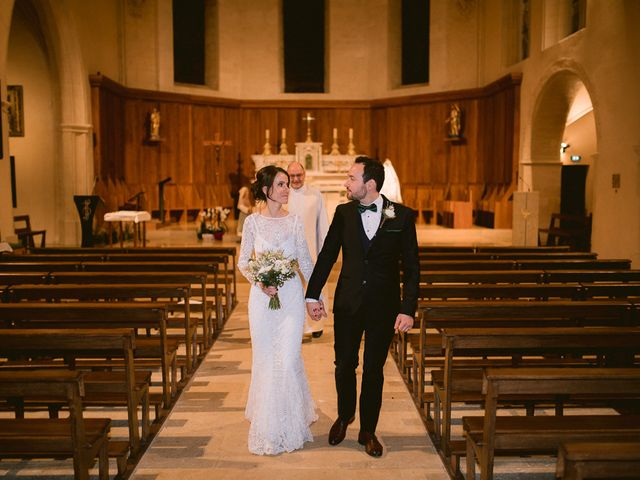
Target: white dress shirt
371,220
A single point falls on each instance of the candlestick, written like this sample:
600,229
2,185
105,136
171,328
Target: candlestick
334,147
351,148
266,149
284,134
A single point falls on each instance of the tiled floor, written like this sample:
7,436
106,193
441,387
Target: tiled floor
206,433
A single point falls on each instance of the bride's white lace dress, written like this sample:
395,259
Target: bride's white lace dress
279,407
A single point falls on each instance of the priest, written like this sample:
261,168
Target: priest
308,203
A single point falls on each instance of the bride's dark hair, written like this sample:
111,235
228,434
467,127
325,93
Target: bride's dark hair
264,178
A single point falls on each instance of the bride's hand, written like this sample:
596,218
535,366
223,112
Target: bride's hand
269,291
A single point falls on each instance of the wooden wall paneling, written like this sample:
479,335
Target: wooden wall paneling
180,149
136,154
113,139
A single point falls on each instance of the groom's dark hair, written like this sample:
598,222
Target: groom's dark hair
373,170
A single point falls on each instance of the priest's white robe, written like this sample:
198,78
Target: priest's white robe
308,203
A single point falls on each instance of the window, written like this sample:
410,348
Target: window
415,41
195,42
304,44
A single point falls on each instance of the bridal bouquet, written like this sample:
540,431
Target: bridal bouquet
272,269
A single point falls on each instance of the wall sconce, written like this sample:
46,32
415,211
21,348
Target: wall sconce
563,147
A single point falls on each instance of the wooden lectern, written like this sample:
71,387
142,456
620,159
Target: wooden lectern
86,205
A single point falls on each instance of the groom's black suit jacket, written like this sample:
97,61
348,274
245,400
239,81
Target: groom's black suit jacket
370,269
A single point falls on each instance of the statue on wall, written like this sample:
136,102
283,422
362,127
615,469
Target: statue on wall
454,121
154,124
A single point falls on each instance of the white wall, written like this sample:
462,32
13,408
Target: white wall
35,153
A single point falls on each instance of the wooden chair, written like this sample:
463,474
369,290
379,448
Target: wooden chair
22,227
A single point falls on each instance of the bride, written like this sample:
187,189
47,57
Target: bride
279,407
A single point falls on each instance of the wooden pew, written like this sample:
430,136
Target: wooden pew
169,294
210,269
503,314
473,256
227,274
197,279
480,248
76,437
591,276
229,251
443,314
598,264
100,388
529,276
483,276
572,291
137,315
597,459
490,435
527,341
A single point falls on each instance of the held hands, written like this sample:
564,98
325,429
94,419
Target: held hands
316,310
404,323
268,291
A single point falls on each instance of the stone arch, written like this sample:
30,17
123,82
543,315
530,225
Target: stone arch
73,147
553,99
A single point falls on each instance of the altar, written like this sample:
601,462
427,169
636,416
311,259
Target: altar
327,173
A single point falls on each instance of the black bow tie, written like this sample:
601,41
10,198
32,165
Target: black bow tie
364,208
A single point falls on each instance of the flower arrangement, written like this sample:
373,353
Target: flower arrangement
212,221
272,269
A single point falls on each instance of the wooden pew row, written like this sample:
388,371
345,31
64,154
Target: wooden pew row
225,257
516,342
169,294
528,276
473,256
545,291
229,251
489,248
210,269
429,351
540,264
528,291
598,459
155,351
200,290
223,277
492,435
77,437
128,388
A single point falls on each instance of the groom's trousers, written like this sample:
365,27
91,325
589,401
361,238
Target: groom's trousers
378,332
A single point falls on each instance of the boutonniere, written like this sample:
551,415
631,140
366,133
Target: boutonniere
388,213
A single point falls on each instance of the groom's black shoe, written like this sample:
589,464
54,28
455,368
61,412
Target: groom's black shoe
371,444
339,430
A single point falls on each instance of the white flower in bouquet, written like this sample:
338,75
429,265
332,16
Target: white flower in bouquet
272,269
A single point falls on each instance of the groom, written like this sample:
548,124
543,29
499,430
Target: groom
375,236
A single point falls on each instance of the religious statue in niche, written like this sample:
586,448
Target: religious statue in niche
154,125
454,122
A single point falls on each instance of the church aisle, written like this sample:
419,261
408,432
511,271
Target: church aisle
205,435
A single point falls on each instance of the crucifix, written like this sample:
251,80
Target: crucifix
218,145
308,118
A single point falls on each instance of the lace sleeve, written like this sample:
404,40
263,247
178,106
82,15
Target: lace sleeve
302,250
246,247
